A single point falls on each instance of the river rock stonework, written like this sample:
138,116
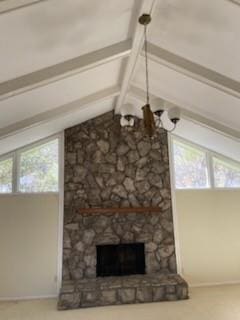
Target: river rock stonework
107,166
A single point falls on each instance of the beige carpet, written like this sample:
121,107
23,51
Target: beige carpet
208,303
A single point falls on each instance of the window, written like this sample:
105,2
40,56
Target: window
226,174
6,169
39,168
198,168
31,169
190,166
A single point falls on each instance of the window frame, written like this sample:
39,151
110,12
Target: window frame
16,154
7,156
227,160
191,145
210,168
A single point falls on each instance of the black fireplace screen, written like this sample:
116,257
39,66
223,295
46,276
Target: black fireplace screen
120,260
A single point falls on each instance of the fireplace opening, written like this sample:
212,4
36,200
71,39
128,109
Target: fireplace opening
120,260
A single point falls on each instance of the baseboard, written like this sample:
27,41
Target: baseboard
212,284
29,297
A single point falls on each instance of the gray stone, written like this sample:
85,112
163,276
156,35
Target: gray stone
133,200
143,236
166,251
100,182
158,236
126,295
111,182
71,158
152,264
89,260
108,297
170,289
142,163
128,236
79,246
103,146
119,177
120,165
172,264
130,171
89,299
69,301
165,193
133,156
77,273
122,149
90,272
66,240
142,186
111,158
142,173
108,238
129,184
156,155
98,157
155,180
80,156
150,247
130,142
144,148
72,226
105,194
88,236
157,167
167,225
158,294
120,191
144,294
106,168
80,172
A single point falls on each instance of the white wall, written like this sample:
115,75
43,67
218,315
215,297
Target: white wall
28,245
209,231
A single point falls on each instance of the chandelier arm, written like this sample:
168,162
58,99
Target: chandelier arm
174,127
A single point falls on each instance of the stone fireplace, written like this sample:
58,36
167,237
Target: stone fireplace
118,228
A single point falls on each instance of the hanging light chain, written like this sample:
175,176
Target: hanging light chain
146,62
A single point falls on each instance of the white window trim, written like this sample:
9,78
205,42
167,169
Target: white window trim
15,155
209,156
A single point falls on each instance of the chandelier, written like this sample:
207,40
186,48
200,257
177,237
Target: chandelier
152,119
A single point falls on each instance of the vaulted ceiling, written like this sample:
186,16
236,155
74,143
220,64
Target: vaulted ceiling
63,62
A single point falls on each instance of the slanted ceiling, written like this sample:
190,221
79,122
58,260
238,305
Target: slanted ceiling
63,62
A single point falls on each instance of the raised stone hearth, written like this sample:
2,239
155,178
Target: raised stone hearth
122,290
107,166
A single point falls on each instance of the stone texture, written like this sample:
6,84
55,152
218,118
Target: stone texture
118,290
100,156
127,295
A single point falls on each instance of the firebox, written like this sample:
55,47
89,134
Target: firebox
120,260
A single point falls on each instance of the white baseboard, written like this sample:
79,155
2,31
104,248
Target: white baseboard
28,297
212,284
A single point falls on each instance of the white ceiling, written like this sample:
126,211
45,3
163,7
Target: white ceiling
205,32
54,31
194,62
